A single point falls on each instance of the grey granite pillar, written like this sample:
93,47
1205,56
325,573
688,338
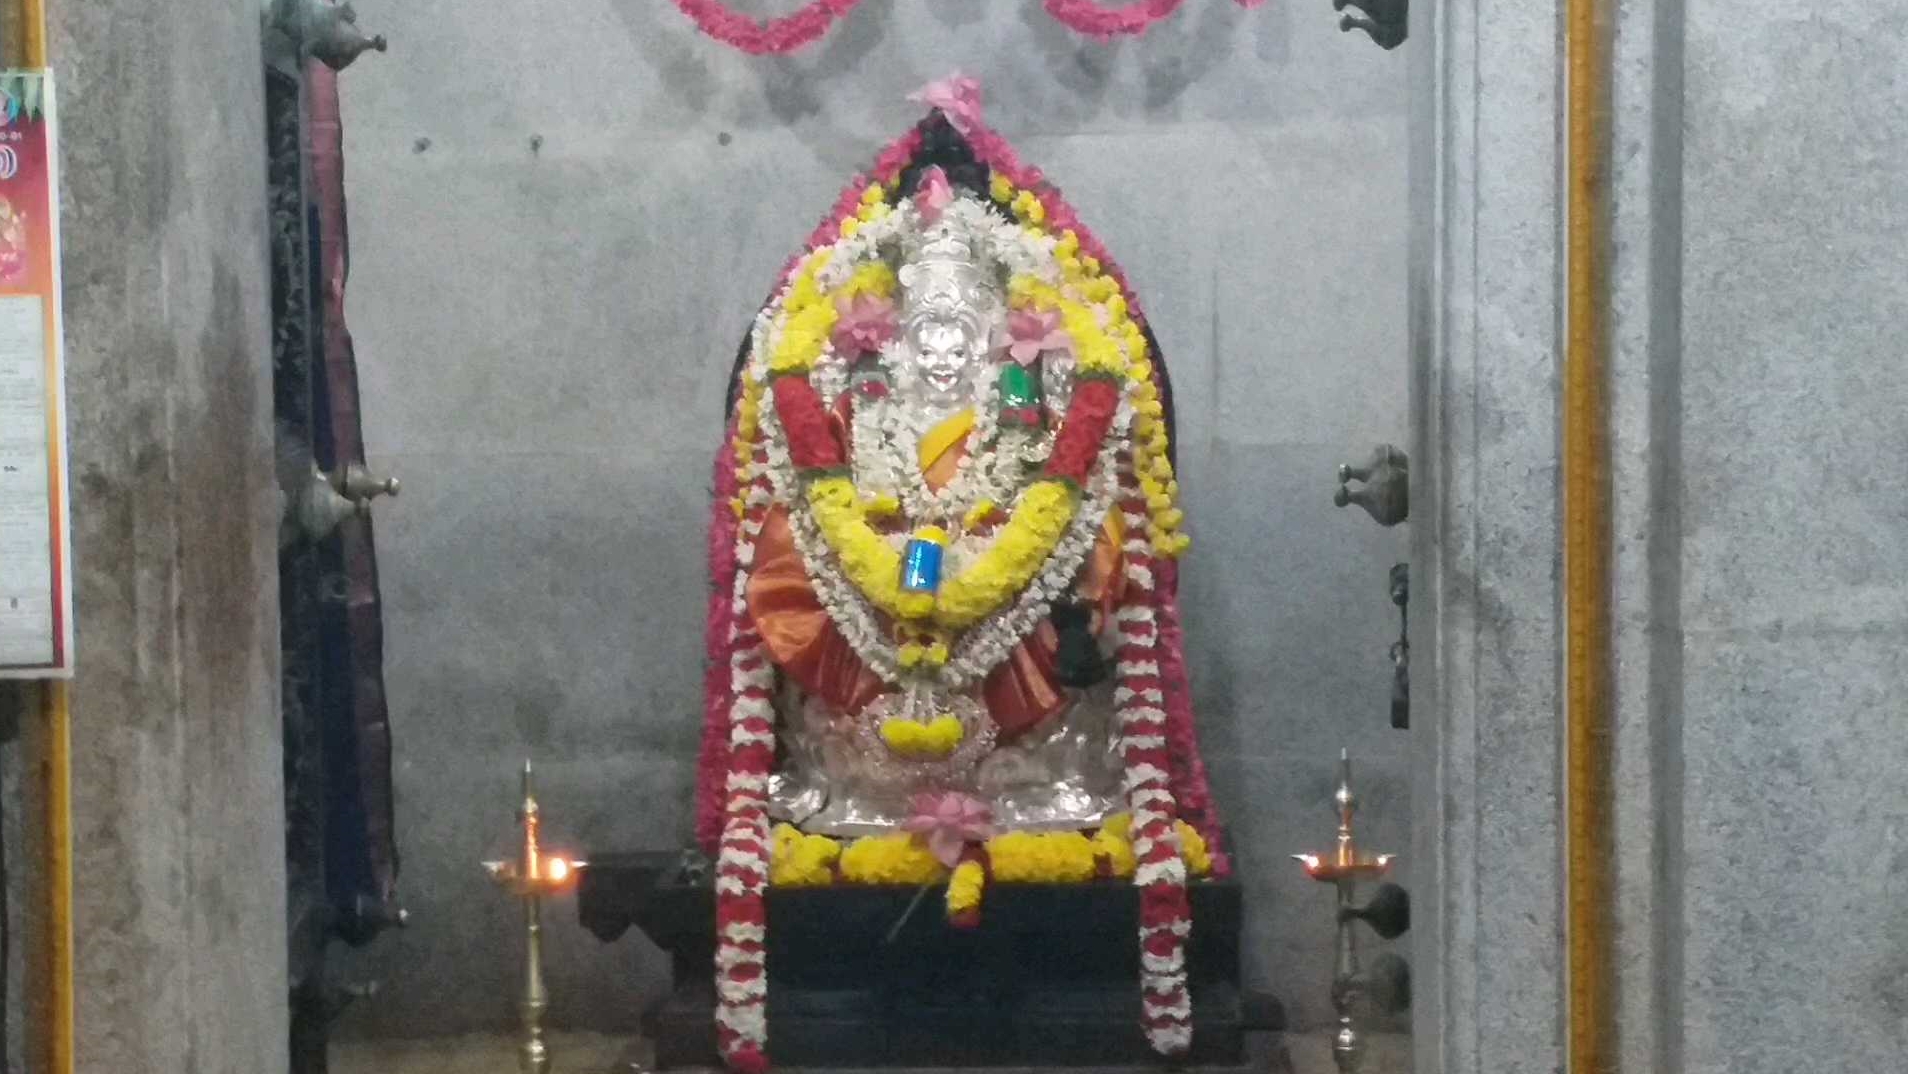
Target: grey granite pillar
179,845
1487,259
1759,248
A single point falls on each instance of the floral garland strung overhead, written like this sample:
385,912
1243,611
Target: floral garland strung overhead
806,25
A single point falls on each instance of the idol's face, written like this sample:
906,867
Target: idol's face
945,358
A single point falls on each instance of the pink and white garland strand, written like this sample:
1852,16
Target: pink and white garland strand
1165,917
807,24
1152,693
742,859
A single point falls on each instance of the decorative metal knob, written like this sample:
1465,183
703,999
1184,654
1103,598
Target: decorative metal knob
327,32
360,485
1384,21
1388,913
1386,486
318,508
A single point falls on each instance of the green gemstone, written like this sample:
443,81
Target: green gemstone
1018,388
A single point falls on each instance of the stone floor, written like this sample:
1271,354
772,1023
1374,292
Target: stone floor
583,1053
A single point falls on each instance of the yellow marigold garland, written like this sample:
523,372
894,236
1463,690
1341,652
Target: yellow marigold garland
800,860
936,738
1042,858
1193,849
1116,348
889,859
964,888
1113,845
1023,544
869,561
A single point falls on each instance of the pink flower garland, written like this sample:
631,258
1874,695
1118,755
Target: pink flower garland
782,35
1165,916
742,859
1165,778
1189,766
805,26
712,766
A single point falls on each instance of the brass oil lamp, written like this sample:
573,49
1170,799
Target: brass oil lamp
1343,868
534,876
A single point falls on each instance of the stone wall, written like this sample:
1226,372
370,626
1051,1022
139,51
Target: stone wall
1757,265
562,220
179,858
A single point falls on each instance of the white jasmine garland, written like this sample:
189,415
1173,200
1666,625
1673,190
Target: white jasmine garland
997,466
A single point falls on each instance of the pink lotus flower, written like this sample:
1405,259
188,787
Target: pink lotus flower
957,96
948,821
933,195
1031,333
864,323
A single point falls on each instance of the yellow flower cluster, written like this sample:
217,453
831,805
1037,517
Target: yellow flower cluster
1003,570
1151,460
1154,469
915,653
1193,849
964,888
874,278
1024,543
868,561
797,859
889,859
808,316
1094,351
1150,456
978,514
1112,843
1042,858
748,413
935,739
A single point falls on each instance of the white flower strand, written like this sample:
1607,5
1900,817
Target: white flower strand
884,439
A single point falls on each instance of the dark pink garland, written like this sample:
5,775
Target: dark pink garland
782,35
1190,785
1103,23
712,766
807,25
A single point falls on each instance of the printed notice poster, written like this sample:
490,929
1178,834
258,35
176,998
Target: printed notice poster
36,612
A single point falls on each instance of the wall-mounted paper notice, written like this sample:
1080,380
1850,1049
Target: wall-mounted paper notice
36,620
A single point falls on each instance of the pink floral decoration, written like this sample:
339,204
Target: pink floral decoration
1103,23
1031,333
948,821
1190,785
957,95
933,195
712,766
782,35
864,323
807,25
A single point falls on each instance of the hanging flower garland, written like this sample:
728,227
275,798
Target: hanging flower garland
1034,541
776,36
806,25
1062,285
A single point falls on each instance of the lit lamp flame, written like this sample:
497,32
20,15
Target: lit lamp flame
534,876
1343,867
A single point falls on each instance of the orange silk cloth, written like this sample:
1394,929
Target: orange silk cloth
1019,693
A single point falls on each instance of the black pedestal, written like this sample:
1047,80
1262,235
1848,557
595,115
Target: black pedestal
857,979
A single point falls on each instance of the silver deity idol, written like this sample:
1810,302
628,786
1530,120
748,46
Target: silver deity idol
838,775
